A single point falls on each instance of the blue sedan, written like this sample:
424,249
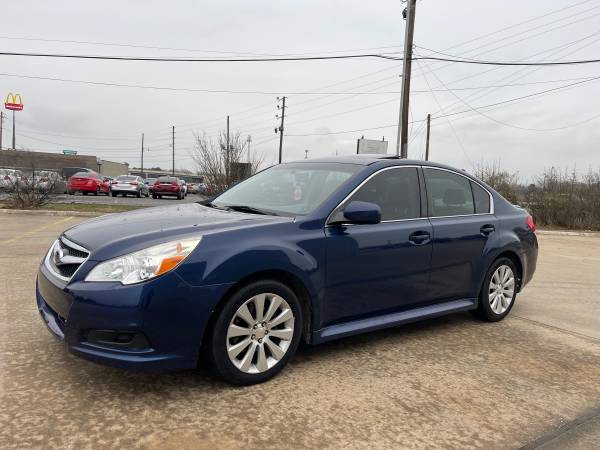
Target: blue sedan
314,251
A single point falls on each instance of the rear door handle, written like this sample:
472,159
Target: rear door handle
487,229
420,237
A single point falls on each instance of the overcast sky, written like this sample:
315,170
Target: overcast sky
526,136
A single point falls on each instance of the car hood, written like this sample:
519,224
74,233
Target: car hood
117,234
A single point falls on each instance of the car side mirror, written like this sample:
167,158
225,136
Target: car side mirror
362,213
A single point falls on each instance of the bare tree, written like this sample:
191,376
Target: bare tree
29,192
222,166
506,183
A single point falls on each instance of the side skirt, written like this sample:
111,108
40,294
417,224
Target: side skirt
391,320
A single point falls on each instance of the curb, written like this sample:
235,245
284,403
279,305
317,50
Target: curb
568,233
44,212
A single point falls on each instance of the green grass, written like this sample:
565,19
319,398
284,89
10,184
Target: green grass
87,207
90,207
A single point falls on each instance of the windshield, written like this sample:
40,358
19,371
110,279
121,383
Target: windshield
289,189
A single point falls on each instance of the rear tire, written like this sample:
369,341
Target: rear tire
499,291
154,196
236,356
139,194
96,191
114,194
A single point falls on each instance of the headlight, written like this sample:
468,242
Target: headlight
144,264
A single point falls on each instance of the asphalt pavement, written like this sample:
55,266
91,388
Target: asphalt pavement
454,382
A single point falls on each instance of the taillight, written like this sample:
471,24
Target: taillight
6,177
113,182
530,223
135,183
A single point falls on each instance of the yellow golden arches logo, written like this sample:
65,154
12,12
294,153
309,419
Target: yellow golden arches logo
13,102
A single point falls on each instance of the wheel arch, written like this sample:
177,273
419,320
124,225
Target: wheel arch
283,276
516,260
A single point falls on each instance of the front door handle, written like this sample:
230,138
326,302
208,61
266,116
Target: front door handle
487,229
419,237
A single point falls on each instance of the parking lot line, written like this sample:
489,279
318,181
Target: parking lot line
35,230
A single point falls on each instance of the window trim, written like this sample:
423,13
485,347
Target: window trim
366,180
491,208
424,214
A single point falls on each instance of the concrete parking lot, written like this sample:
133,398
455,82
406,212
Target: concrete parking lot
531,380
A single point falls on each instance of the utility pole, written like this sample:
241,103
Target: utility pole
249,141
427,141
14,145
402,140
280,128
142,156
306,154
173,151
227,149
1,123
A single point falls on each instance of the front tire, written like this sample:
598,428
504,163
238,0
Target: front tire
256,333
499,291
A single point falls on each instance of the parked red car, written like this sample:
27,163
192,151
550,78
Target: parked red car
88,182
168,186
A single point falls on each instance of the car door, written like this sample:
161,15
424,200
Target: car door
461,212
377,268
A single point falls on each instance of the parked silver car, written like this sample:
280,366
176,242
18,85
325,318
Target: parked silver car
129,184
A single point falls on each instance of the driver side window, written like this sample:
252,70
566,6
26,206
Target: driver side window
395,191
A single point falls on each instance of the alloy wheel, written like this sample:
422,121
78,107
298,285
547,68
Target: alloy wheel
502,289
260,333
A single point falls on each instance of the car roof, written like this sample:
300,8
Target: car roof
382,160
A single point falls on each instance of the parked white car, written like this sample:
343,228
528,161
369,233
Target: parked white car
9,178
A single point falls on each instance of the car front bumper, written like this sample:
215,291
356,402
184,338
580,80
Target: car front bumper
167,316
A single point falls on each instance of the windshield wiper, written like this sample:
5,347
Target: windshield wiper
250,209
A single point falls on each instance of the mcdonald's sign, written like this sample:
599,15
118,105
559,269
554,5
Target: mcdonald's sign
13,102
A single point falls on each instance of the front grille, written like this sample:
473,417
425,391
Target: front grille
65,257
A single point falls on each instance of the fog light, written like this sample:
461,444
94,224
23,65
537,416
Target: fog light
131,340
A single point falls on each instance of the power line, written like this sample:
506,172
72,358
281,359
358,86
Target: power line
458,139
154,47
509,27
510,100
304,58
174,59
168,88
552,52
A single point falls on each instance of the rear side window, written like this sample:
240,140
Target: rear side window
448,194
396,191
482,199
